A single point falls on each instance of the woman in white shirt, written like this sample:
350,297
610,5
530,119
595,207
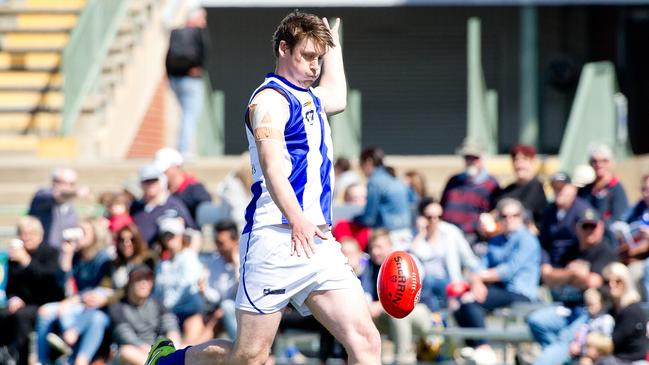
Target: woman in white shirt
443,252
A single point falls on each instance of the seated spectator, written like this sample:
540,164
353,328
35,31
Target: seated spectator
443,252
31,282
387,205
53,206
641,208
117,209
416,183
401,331
181,184
559,221
130,251
156,204
470,193
598,322
344,225
355,194
138,319
606,193
630,342
527,188
84,263
511,273
233,193
220,287
176,280
345,176
568,275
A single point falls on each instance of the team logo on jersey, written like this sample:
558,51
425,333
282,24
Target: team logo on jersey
310,116
274,291
306,104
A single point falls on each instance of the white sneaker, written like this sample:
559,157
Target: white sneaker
485,355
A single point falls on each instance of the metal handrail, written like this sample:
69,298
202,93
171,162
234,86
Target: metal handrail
85,53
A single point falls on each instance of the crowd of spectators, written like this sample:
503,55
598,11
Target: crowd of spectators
105,287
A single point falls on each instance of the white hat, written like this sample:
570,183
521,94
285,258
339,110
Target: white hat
174,225
167,157
149,172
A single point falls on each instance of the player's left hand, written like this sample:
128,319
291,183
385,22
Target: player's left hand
333,30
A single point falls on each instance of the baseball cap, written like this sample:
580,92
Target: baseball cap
173,225
470,147
589,215
167,157
149,172
140,271
561,177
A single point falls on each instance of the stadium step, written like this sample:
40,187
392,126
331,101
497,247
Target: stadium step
27,100
30,61
41,122
13,40
29,79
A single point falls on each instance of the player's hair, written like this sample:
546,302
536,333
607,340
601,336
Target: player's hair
297,26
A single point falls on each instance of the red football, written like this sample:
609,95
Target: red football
399,284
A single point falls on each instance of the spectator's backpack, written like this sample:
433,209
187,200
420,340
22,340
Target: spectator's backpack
185,51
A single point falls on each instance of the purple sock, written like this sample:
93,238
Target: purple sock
174,358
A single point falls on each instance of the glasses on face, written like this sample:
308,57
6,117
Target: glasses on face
588,226
595,161
510,216
614,281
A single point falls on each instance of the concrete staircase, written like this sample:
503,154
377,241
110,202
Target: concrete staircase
33,34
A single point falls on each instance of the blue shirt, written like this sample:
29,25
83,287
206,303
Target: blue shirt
388,204
517,259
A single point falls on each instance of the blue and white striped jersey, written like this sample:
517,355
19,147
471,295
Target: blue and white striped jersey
308,156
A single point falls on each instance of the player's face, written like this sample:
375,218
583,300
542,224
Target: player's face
304,63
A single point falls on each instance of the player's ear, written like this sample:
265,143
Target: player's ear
283,48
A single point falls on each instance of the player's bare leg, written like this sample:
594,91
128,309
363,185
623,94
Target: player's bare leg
255,335
345,314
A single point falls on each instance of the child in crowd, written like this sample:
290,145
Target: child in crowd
593,338
118,212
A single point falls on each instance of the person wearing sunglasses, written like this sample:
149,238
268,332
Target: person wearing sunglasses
555,327
630,342
510,273
443,252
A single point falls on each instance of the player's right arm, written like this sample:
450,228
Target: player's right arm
269,112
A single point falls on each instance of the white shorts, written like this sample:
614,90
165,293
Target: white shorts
271,277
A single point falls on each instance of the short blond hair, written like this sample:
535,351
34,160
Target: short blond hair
31,224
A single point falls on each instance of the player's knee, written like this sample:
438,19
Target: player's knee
366,341
219,347
252,354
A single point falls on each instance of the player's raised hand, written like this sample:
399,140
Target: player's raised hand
333,30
